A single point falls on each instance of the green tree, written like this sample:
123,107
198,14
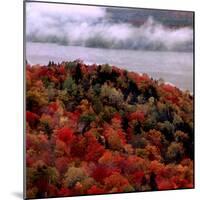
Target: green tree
112,95
97,105
70,85
74,175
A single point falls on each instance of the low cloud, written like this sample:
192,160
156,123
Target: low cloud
90,26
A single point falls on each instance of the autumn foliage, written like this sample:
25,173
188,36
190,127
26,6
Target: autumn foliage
96,129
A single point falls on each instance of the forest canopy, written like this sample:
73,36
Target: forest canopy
96,129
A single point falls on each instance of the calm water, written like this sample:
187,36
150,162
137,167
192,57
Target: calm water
173,67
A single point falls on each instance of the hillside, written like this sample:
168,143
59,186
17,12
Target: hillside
95,129
138,17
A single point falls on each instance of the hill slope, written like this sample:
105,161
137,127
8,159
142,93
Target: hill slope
100,129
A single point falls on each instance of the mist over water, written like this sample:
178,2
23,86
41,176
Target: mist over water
73,25
59,32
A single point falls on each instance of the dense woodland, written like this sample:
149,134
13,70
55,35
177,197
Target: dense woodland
95,129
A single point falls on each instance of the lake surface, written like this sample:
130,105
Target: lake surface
173,67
